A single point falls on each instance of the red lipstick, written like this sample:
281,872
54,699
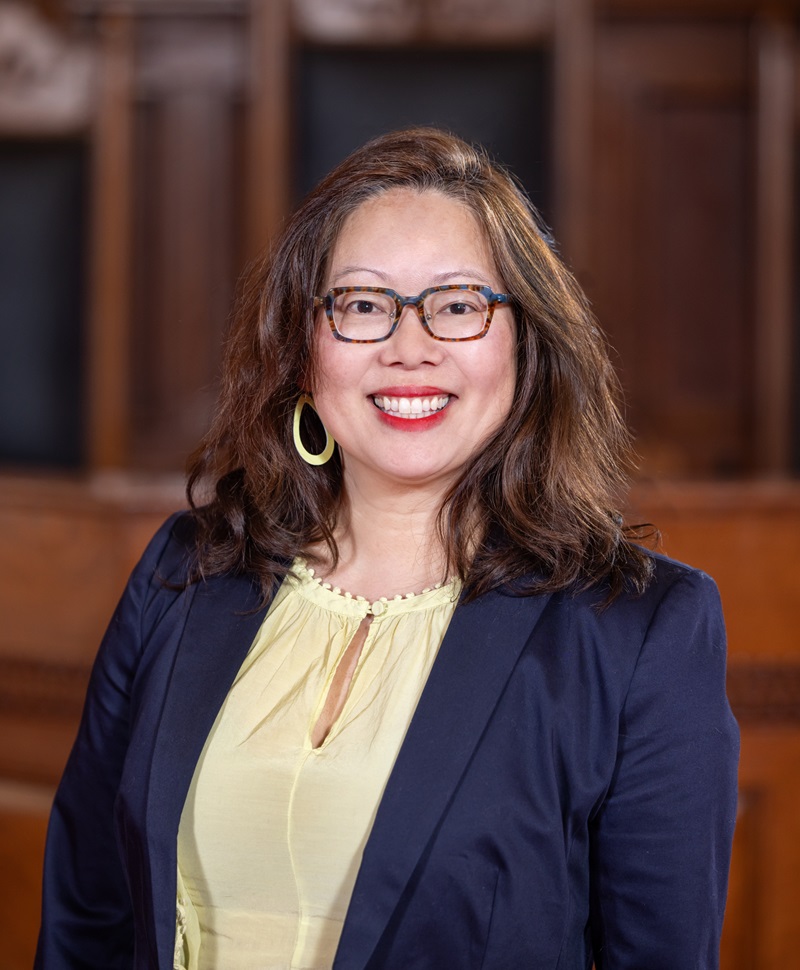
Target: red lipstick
421,421
411,424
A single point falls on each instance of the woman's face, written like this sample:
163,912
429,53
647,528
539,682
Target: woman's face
409,241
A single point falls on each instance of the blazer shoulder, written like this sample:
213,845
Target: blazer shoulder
679,612
170,551
679,578
164,568
677,594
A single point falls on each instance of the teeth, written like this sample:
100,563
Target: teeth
411,407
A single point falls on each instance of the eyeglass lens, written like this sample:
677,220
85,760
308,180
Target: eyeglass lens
452,314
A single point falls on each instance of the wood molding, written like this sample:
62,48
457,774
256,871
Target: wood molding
39,689
759,693
444,23
770,497
108,418
159,8
46,78
776,42
692,9
572,149
268,124
765,694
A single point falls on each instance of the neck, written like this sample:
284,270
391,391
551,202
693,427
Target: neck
388,544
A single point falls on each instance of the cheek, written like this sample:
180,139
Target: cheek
330,373
320,373
337,381
503,371
310,367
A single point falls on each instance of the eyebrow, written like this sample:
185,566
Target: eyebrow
459,273
348,270
436,280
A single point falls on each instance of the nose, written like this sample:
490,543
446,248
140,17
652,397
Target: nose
410,345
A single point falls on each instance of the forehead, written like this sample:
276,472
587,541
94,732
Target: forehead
410,202
401,227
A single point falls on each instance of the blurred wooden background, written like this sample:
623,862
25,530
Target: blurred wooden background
149,148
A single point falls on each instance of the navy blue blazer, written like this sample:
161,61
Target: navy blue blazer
565,794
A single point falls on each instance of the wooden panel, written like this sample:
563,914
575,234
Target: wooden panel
108,350
747,537
776,257
188,230
717,9
23,822
670,250
65,553
738,947
46,78
65,549
268,162
762,921
35,742
572,147
445,22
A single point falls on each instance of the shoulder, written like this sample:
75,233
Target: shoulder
668,571
672,583
170,551
675,616
681,595
161,577
673,637
676,580
168,559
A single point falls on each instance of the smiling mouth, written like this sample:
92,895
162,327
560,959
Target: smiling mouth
411,407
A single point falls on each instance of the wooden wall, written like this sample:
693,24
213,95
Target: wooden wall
674,164
66,550
747,536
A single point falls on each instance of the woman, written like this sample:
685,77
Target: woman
528,763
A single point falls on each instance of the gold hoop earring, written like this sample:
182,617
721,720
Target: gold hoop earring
327,452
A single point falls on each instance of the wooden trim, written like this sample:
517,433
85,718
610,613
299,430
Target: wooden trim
775,41
711,499
25,798
573,83
108,419
765,694
36,689
759,693
107,493
719,10
160,8
269,148
46,76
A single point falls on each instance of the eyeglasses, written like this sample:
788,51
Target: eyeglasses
370,314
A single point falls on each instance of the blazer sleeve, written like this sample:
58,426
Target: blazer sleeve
662,837
86,909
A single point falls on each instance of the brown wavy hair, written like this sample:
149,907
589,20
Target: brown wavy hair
536,507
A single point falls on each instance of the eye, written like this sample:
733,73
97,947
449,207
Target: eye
362,307
462,307
458,309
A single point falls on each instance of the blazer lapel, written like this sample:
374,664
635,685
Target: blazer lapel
477,656
224,618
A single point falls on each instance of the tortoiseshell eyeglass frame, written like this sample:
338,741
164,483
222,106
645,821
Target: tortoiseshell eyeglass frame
492,299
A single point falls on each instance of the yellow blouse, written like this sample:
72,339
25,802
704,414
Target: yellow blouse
273,829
